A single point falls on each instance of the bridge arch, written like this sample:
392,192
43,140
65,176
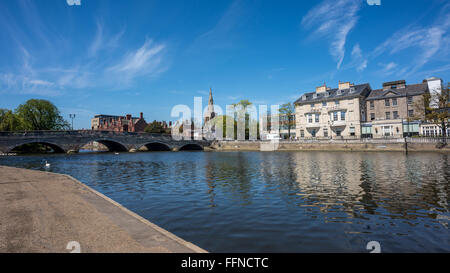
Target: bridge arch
191,147
156,146
55,147
112,145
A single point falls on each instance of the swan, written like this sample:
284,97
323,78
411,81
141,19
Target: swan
47,164
116,153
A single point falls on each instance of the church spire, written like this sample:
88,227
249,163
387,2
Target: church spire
210,113
211,102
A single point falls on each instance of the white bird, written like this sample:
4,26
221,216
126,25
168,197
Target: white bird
47,164
116,153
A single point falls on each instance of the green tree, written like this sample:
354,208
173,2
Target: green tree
288,109
38,114
8,121
155,127
243,103
223,119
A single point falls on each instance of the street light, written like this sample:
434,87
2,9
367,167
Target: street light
72,116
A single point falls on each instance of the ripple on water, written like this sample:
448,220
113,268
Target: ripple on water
276,202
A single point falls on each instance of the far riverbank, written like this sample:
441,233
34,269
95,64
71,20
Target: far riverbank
357,145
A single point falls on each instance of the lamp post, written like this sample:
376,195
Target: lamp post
72,116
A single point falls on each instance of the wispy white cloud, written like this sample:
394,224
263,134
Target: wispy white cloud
19,84
97,42
234,97
333,20
431,41
358,60
389,67
220,35
103,40
144,61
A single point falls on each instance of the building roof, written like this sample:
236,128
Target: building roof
333,94
411,90
114,117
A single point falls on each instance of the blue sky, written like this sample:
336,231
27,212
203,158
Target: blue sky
119,57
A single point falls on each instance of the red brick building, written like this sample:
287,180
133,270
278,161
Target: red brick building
118,123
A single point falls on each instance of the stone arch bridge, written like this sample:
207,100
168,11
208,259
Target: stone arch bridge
72,141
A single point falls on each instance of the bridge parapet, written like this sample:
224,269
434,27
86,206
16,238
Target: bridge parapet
73,140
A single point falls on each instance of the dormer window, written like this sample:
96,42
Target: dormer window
338,92
352,89
314,96
327,94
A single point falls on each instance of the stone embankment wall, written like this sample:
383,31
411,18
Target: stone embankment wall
327,146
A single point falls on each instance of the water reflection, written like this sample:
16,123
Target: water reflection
280,202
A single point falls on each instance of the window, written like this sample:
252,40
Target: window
336,102
342,115
388,115
310,120
352,131
394,102
335,116
372,116
325,132
313,133
317,118
386,130
338,132
372,104
302,133
410,113
312,105
324,103
386,102
393,86
395,114
410,100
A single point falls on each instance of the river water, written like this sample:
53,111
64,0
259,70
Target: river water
276,201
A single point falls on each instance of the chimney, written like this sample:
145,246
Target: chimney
142,115
394,85
344,85
321,88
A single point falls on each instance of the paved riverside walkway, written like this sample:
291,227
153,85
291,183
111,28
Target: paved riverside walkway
43,212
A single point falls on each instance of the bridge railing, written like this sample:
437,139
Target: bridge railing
353,140
77,132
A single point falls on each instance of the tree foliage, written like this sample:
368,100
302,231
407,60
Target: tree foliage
8,121
33,115
288,109
239,106
155,127
437,109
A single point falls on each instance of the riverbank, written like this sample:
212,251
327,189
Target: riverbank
332,145
43,212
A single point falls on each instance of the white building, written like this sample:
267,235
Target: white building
435,85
